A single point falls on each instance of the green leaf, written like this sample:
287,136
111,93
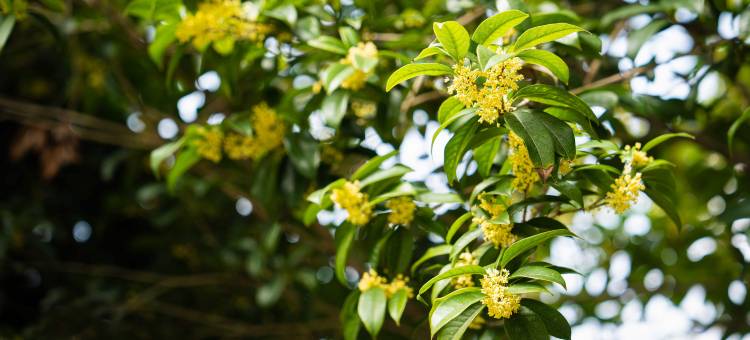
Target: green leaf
503,187
397,304
730,135
452,305
431,51
526,325
371,310
333,108
343,239
449,108
400,249
570,191
627,12
303,153
539,273
163,152
443,249
522,245
349,36
329,44
286,13
457,147
561,133
663,138
464,241
542,34
184,161
348,316
380,175
554,96
453,37
464,115
165,35
168,10
463,270
456,328
549,61
554,322
372,165
6,26
317,196
439,197
485,154
409,71
536,138
526,288
334,75
497,26
573,116
456,225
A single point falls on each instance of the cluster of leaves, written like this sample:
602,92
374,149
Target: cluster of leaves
304,69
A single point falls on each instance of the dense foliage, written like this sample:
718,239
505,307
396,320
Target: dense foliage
391,169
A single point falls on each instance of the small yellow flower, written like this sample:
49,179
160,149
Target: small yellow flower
208,142
317,87
364,109
465,259
500,303
219,21
522,166
492,97
635,156
357,80
268,134
371,280
399,283
402,210
624,190
498,234
492,204
355,202
565,167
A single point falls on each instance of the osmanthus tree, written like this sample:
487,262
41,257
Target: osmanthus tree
507,106
533,116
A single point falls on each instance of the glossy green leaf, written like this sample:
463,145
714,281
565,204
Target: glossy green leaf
381,175
462,117
397,304
455,329
348,317
536,138
549,61
371,165
431,51
527,288
448,307
496,26
6,27
334,75
160,154
457,147
463,241
456,225
439,250
334,107
410,71
449,108
663,138
485,155
463,270
349,36
526,325
329,44
542,34
371,310
539,273
522,245
453,37
184,161
732,129
554,322
343,238
439,197
554,96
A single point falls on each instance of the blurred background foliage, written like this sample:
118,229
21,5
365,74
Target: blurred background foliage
92,245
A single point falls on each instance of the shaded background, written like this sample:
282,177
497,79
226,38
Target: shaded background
93,246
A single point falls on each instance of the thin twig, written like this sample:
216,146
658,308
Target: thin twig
615,78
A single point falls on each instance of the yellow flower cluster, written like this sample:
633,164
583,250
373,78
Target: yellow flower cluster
371,280
364,109
522,166
624,190
207,142
565,166
268,134
220,21
465,259
491,97
498,234
355,202
500,303
635,156
357,80
402,210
